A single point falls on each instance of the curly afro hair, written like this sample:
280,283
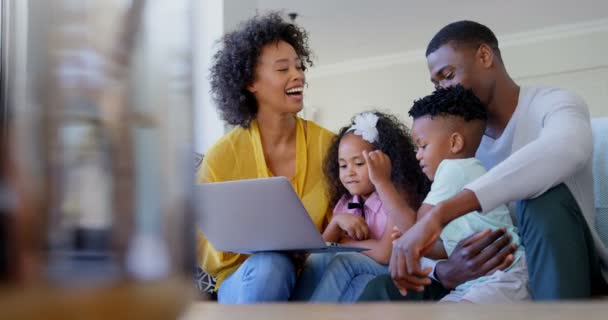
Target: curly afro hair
451,101
396,142
234,64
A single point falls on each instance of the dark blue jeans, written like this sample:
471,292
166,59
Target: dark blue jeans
382,288
562,258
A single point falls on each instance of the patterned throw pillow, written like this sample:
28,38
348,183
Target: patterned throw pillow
203,281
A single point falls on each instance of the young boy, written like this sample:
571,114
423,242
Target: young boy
447,129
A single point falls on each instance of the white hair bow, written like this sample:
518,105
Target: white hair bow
365,126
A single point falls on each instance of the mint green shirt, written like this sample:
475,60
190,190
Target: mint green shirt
451,177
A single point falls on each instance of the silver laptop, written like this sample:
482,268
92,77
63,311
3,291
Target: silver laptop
249,216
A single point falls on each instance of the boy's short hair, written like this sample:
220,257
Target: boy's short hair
464,111
451,101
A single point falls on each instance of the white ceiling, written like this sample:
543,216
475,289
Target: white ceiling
342,30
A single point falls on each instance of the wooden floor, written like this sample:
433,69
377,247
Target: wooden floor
555,311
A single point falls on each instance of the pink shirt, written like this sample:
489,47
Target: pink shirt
375,216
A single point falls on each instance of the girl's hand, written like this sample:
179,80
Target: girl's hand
379,167
395,233
354,226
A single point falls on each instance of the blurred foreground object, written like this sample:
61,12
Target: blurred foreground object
99,159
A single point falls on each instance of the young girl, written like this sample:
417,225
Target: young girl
360,218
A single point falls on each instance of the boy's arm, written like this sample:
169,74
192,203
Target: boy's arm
437,252
424,209
421,238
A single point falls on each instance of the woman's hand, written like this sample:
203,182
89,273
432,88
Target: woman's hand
354,226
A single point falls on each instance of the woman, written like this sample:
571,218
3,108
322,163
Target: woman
257,81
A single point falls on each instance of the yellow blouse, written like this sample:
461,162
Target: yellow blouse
239,155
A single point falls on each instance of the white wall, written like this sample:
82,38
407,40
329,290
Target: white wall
208,27
571,57
213,18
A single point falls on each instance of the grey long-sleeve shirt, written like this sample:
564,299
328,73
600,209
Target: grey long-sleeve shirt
547,141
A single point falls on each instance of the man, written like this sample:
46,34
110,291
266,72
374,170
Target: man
537,148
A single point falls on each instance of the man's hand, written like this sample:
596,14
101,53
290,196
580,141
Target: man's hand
480,254
379,167
354,226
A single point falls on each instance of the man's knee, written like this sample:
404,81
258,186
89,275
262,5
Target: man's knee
558,243
549,213
555,198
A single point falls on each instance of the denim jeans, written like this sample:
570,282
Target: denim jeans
263,277
336,277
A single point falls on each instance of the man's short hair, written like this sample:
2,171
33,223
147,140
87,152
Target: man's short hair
464,32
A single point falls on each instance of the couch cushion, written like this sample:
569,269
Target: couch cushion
600,175
203,281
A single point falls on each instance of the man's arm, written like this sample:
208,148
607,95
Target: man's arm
420,238
564,146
